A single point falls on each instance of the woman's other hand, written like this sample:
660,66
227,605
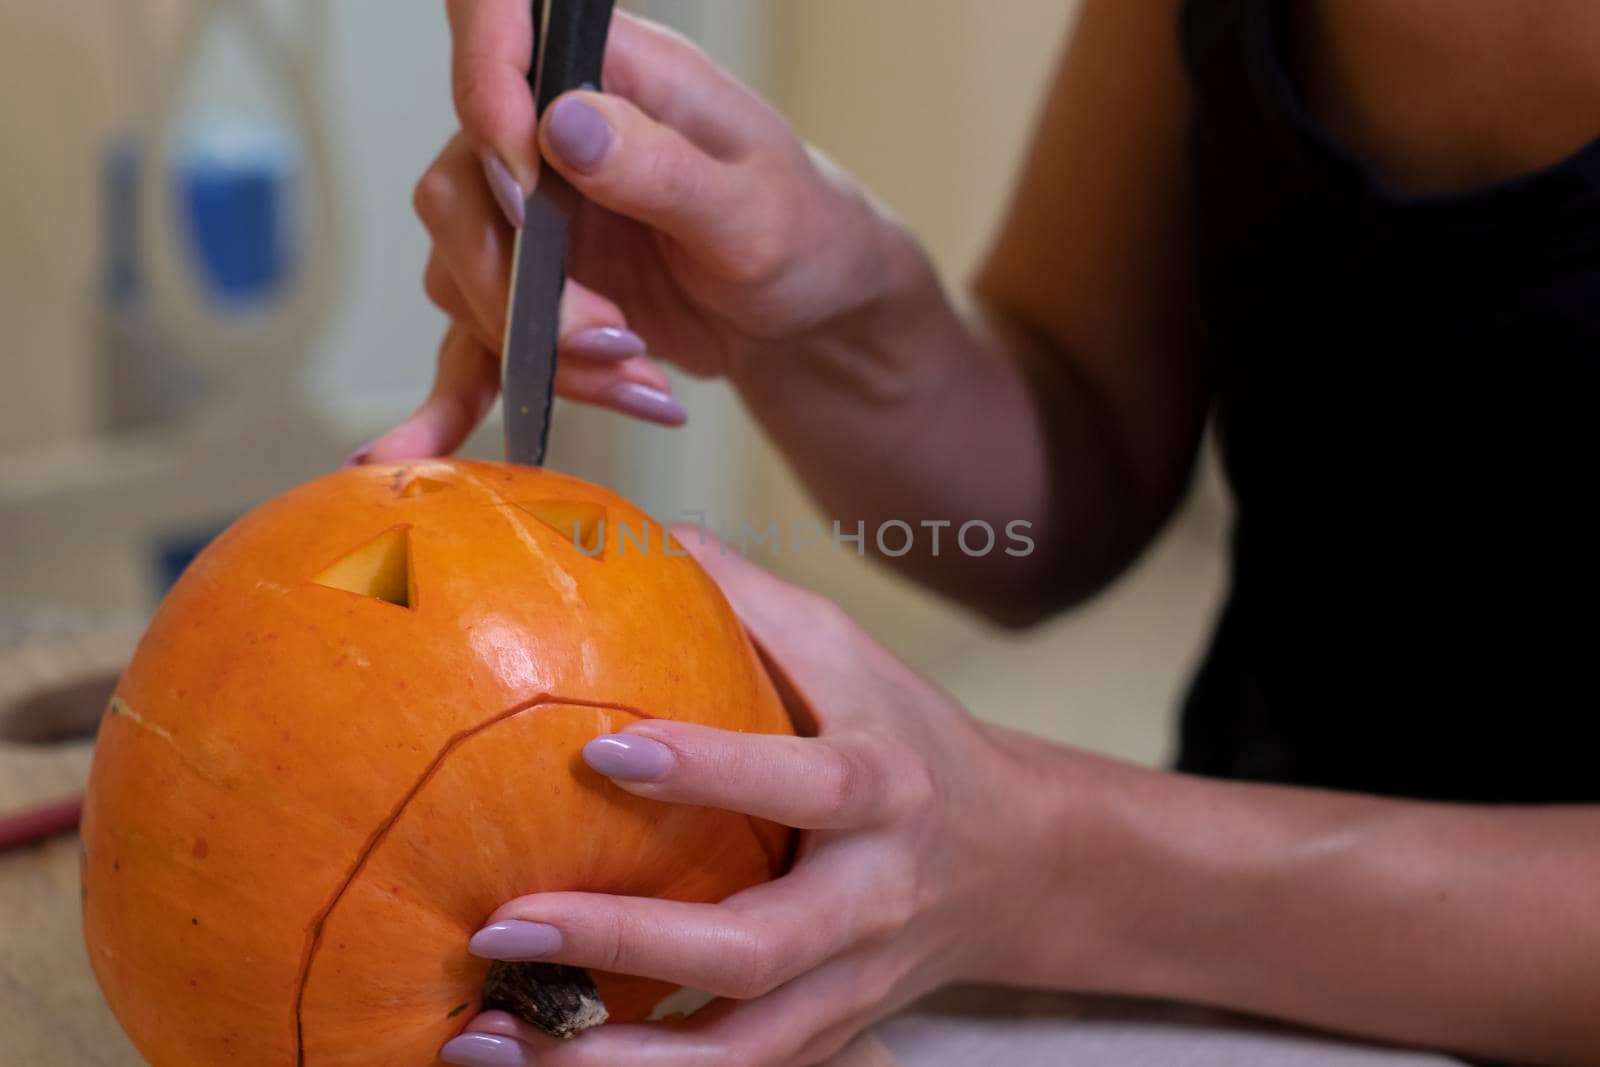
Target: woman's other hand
910,874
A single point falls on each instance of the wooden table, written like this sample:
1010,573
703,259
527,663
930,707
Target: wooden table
51,1012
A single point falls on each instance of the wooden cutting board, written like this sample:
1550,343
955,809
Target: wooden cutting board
51,1011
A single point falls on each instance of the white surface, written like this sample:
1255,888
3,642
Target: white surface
964,1028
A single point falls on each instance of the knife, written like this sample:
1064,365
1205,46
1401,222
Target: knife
574,45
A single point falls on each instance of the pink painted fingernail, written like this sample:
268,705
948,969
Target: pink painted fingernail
578,133
643,402
358,458
606,342
485,1050
629,758
514,939
506,189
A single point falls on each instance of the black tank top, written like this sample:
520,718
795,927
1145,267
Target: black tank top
1407,413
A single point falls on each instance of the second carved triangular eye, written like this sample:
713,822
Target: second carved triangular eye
420,486
580,523
380,569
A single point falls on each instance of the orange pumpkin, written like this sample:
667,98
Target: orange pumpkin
353,730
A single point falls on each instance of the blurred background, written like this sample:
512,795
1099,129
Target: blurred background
210,283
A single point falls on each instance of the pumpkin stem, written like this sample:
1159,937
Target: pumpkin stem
559,1000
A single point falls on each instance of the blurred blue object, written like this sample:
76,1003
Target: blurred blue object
236,189
172,553
221,229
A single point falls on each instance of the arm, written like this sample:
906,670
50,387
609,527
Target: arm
1075,398
1474,929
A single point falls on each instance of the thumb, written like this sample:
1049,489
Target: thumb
623,160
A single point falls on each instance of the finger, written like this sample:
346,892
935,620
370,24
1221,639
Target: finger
470,238
469,270
441,287
464,386
496,1038
582,311
603,361
594,366
589,381
793,1026
637,388
676,83
810,783
468,274
743,948
623,160
492,49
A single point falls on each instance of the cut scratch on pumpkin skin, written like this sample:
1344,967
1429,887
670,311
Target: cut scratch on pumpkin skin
437,468
506,507
591,661
118,706
485,487
567,584
381,832
207,766
564,582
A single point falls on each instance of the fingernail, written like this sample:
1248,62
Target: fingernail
632,759
579,133
357,458
606,342
641,401
485,1050
515,940
506,189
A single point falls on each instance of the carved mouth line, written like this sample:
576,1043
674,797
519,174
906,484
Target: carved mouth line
314,938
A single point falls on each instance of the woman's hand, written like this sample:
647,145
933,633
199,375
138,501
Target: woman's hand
906,877
939,849
708,235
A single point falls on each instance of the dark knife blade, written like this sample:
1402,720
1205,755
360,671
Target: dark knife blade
574,50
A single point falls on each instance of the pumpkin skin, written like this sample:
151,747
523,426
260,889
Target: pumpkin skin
304,799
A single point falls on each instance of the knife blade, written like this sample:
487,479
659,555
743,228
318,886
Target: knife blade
574,41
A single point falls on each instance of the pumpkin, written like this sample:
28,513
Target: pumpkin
354,729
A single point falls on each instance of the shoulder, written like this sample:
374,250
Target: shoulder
1442,96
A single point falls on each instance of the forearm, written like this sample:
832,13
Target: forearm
1474,929
905,410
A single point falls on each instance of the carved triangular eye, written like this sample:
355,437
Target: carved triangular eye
420,485
381,569
580,524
